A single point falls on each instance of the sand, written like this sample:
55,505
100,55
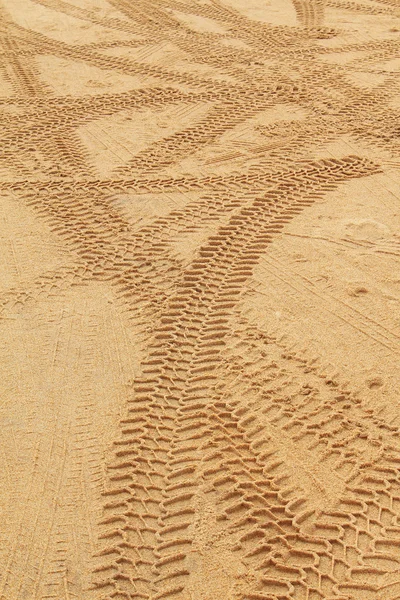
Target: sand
200,300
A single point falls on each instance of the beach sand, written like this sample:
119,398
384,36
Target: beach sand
200,300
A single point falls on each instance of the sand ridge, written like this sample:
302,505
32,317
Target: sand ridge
199,300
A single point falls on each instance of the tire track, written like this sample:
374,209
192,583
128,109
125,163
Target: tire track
301,400
208,291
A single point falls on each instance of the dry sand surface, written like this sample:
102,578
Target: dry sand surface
200,300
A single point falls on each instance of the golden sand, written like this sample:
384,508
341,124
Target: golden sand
199,300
